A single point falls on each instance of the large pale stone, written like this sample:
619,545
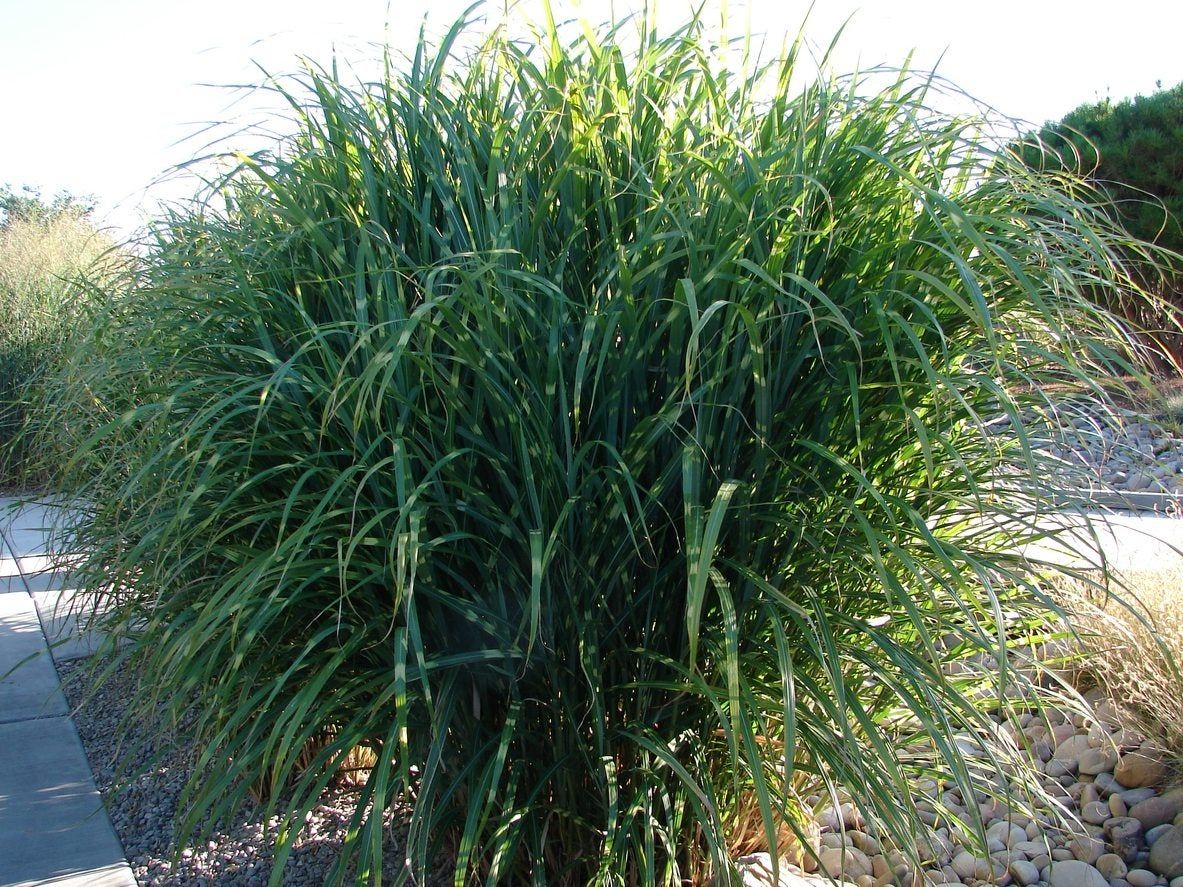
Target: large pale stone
849,862
1097,760
1071,748
1074,873
1166,856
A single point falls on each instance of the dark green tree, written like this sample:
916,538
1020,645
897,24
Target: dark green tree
1134,150
27,204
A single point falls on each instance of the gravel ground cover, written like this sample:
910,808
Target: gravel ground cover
1112,823
240,854
1121,451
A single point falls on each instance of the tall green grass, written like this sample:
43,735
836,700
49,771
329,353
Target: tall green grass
593,437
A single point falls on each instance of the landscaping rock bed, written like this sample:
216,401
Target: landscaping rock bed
1121,452
1112,824
240,853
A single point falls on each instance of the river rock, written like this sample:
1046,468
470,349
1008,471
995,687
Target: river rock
849,862
1111,866
1155,811
1102,759
1074,873
1144,767
1166,856
1086,848
1071,748
965,864
1141,878
1023,872
1125,835
756,871
1096,812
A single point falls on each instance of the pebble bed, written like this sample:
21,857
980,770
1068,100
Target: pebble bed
238,855
1121,452
1113,824
1117,823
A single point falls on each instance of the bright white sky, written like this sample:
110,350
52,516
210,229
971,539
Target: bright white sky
100,97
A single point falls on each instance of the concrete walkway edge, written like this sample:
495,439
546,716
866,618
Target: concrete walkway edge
54,829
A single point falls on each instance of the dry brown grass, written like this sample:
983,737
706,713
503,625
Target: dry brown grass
1131,645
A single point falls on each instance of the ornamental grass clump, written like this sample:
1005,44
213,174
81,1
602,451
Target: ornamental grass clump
593,442
46,252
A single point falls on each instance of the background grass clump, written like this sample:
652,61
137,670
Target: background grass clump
45,247
1130,646
587,431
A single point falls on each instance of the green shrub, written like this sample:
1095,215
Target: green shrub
595,438
1134,149
44,248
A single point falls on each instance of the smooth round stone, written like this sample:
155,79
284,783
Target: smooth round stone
1023,872
1086,848
1141,878
1107,785
850,861
1166,856
1096,812
1111,866
1006,833
864,842
1155,833
1092,761
1155,811
1031,849
965,864
1057,767
1144,767
1133,796
1071,747
879,866
1074,873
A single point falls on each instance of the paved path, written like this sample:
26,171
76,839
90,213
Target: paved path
53,828
1127,541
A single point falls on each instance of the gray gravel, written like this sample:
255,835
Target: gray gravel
1119,451
240,854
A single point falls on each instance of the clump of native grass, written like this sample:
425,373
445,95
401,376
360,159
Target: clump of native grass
44,258
594,436
1130,645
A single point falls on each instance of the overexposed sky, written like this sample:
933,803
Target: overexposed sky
100,96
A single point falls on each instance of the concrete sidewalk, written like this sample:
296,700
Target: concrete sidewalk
53,827
1125,541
